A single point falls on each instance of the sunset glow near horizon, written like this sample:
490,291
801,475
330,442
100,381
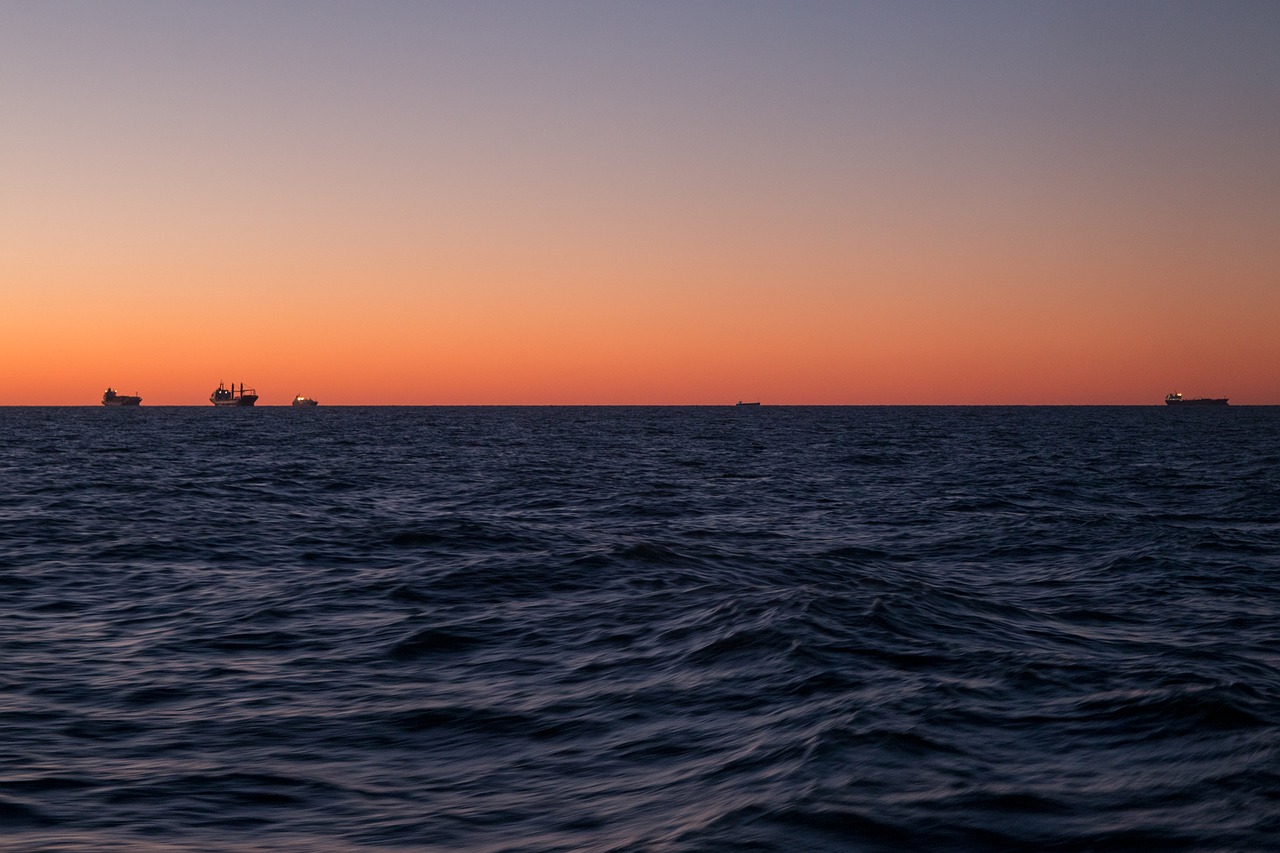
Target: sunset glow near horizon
641,203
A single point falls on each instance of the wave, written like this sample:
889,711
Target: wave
638,629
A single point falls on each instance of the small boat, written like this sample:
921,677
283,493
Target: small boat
1176,399
233,396
741,403
111,398
304,401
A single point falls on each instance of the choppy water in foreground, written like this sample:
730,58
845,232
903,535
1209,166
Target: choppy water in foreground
666,629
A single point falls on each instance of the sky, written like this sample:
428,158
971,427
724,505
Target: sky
694,202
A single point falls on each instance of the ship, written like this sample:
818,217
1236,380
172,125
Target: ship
304,401
111,398
233,396
744,403
1176,399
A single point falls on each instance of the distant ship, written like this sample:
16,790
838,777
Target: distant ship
233,396
1176,399
304,401
111,398
741,403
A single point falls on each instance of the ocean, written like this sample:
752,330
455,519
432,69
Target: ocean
639,629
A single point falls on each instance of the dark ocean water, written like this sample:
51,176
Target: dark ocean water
635,629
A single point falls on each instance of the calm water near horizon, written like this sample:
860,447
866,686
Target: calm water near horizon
639,629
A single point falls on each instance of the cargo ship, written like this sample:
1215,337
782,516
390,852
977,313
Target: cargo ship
233,396
1176,399
304,401
111,398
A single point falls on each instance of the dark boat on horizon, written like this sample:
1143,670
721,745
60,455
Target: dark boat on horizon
1176,399
233,396
742,403
111,398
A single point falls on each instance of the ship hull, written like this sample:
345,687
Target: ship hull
238,402
1202,401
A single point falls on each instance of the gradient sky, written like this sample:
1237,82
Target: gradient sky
640,202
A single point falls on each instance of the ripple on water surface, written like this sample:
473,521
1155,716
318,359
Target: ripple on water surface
639,629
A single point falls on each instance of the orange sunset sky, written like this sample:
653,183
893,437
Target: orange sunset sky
645,202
